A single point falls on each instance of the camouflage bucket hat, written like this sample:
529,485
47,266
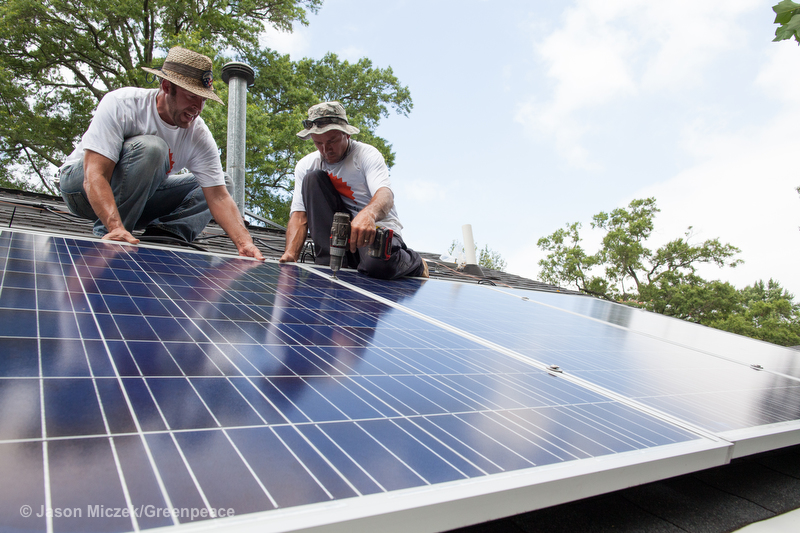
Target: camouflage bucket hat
188,70
325,117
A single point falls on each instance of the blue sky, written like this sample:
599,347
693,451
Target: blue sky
529,115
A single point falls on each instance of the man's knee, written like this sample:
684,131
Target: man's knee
315,180
149,144
147,151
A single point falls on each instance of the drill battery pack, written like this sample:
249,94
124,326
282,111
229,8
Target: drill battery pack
381,247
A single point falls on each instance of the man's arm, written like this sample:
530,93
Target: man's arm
227,215
295,236
97,171
362,228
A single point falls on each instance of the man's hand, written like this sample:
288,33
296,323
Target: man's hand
287,258
362,230
251,250
120,234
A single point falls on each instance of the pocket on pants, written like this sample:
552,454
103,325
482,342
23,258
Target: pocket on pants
79,205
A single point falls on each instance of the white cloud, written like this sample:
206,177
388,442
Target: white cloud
780,76
296,43
607,52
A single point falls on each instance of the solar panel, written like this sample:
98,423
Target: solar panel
705,377
770,357
143,387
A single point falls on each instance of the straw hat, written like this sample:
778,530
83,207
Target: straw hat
325,117
189,70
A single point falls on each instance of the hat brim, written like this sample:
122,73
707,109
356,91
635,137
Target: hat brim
317,130
185,83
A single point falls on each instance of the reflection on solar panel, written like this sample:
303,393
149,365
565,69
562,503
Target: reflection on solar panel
142,388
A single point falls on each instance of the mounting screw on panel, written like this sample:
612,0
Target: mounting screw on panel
555,368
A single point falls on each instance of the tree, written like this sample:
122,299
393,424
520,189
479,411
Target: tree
58,59
487,258
665,280
630,270
61,56
766,312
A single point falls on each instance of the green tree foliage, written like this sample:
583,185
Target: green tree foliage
787,16
487,258
629,269
764,311
665,280
58,58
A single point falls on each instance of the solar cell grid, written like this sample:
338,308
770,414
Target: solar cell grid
145,377
708,340
661,371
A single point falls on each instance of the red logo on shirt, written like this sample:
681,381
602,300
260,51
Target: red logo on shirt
341,187
171,163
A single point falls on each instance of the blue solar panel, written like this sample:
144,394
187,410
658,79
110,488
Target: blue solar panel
655,362
152,380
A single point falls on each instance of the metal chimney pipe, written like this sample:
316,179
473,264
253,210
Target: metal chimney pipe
239,77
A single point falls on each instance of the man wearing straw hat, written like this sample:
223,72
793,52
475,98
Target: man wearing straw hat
125,171
348,176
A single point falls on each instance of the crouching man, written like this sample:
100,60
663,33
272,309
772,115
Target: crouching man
345,175
121,173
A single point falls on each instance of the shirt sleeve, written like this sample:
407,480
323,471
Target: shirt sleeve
375,170
300,170
106,132
205,162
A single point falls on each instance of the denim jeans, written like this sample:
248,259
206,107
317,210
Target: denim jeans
144,193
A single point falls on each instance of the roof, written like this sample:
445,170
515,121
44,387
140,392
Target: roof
724,498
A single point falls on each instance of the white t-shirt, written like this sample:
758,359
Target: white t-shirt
357,177
132,111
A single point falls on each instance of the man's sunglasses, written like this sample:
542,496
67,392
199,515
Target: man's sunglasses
308,124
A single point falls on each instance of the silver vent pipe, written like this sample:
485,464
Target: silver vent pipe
239,77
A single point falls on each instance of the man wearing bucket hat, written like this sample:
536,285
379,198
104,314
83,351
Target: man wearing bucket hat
125,173
345,175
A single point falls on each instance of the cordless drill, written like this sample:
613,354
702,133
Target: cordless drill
381,246
340,237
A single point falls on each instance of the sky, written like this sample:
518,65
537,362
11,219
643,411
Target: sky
529,115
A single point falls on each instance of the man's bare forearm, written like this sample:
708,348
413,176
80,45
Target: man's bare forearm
226,213
296,232
97,172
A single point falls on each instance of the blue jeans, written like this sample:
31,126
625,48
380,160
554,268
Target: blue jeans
144,193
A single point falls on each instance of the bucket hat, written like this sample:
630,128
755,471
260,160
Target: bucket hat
325,117
188,70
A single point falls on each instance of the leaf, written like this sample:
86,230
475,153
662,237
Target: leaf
785,6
